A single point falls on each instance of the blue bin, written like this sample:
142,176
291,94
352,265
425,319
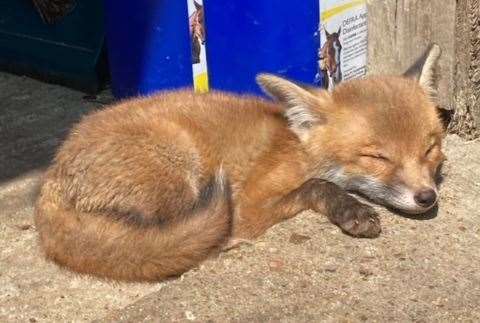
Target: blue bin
149,43
245,37
148,46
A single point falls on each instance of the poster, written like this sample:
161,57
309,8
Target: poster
196,20
343,41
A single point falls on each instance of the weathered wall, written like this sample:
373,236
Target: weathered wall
400,30
466,120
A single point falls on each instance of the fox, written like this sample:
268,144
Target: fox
150,187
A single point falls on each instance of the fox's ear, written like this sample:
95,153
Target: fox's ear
425,70
304,106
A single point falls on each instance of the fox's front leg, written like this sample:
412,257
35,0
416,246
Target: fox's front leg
352,216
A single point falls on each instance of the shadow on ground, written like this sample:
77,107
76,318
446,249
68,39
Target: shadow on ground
34,118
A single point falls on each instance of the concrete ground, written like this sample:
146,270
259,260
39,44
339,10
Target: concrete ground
304,270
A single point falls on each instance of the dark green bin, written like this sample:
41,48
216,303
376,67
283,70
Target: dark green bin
70,52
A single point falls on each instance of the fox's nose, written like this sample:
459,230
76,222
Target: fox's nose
425,197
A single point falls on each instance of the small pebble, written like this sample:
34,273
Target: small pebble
24,227
276,265
365,272
330,268
296,238
189,315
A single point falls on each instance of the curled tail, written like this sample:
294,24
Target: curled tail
100,245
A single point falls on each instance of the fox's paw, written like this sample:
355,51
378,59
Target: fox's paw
359,220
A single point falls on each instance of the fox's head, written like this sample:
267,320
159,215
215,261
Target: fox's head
379,136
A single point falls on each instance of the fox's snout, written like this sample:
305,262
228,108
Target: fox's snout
413,201
395,195
400,197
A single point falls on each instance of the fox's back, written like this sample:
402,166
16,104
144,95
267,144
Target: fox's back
215,112
129,150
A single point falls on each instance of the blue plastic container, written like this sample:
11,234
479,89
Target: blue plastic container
149,43
245,37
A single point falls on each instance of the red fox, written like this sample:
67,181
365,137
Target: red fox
147,189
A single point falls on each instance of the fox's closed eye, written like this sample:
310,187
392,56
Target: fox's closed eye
376,156
430,149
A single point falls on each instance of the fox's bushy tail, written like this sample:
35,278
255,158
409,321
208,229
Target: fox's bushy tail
103,246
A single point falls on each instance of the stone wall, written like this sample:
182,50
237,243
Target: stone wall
466,119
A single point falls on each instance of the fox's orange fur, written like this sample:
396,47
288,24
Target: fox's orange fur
148,188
